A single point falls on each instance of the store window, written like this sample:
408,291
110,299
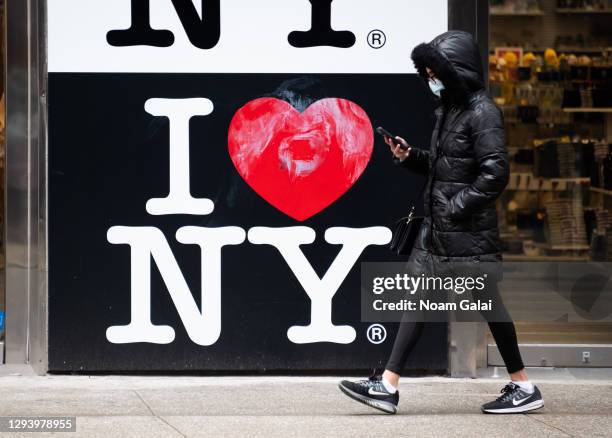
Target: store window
550,71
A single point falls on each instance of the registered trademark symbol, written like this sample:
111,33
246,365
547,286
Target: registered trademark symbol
377,39
377,334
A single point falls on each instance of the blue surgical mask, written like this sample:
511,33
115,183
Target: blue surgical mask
436,86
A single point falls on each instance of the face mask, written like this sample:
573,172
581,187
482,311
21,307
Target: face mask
436,86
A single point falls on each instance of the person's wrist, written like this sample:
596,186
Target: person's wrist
404,156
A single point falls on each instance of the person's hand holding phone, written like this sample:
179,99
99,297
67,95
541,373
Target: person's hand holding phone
401,150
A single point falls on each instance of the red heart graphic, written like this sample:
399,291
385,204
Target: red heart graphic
300,162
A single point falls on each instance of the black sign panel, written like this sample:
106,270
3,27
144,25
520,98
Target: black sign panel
108,157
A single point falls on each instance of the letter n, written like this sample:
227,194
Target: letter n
203,33
203,326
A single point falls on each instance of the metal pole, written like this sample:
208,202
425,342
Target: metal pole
467,341
25,186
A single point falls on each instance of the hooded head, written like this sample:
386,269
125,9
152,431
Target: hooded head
455,59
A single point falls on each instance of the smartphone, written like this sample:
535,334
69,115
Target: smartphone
382,131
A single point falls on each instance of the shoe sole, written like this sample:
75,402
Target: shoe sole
386,407
535,405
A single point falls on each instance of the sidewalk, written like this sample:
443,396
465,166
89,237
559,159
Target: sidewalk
578,403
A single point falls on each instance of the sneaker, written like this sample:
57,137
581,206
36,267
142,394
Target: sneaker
371,392
514,400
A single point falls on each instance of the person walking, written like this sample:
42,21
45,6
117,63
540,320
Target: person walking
467,169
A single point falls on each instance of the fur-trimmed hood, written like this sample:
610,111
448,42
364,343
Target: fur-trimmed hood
454,57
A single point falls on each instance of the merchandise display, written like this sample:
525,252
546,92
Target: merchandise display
557,108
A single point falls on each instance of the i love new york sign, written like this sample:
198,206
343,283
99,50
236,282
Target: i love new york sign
214,180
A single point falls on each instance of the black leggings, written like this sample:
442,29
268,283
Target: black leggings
409,333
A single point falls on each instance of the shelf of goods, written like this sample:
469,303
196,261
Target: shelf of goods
495,12
583,11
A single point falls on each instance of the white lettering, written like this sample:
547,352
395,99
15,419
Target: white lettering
179,112
320,290
203,327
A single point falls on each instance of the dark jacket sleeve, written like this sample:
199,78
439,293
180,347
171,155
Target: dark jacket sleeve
489,140
417,161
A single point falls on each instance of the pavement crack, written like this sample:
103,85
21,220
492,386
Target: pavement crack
533,417
157,416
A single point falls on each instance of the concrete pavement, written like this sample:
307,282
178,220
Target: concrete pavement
577,403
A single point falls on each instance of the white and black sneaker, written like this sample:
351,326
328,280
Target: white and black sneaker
371,392
514,400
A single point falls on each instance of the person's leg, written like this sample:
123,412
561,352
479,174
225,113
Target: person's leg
407,336
380,392
504,333
520,395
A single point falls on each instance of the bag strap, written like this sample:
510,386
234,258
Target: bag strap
413,206
422,191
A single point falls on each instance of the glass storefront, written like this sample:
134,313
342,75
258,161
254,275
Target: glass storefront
550,71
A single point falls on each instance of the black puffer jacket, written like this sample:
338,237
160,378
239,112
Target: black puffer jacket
467,164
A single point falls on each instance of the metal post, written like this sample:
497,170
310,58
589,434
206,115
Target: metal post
26,294
467,342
